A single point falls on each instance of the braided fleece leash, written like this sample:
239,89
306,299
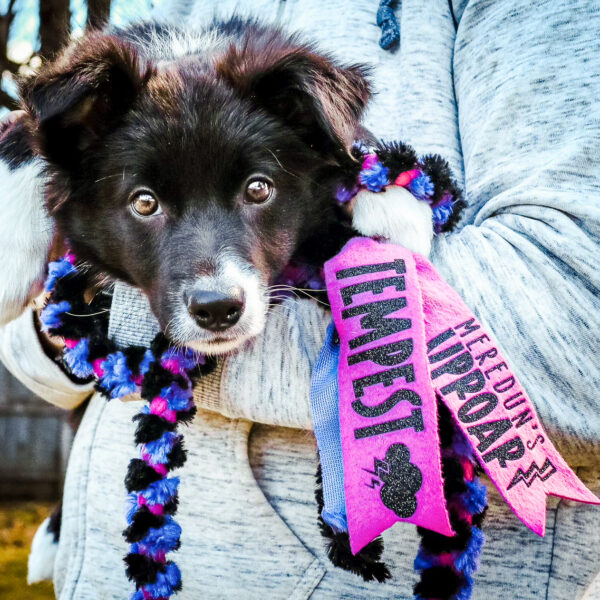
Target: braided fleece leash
163,376
445,564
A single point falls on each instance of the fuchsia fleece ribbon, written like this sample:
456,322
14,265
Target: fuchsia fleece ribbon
405,336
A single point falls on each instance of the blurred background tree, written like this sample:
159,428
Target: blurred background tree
32,31
8,66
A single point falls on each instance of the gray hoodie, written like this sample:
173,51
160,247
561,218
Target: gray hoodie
507,92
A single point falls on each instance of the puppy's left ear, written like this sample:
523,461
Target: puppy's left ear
77,99
322,101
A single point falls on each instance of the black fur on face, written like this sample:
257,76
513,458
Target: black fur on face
191,132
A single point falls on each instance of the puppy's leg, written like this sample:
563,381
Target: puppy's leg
40,566
25,227
395,215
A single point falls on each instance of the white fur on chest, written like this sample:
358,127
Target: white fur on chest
25,237
395,215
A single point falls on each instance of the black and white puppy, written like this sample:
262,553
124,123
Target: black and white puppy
193,165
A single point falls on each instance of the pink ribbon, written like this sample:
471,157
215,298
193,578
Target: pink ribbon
405,336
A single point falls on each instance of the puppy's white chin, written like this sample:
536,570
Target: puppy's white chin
218,348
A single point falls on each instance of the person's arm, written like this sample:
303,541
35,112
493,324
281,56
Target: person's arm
269,381
22,353
544,317
531,273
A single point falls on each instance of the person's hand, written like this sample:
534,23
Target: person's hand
395,216
26,231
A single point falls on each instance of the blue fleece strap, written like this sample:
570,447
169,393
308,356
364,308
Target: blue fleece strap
324,400
388,23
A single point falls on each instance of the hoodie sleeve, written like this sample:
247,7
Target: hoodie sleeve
527,260
22,354
269,380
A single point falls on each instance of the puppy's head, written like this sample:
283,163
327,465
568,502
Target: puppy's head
194,179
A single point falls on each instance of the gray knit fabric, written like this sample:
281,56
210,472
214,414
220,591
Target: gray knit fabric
510,97
125,325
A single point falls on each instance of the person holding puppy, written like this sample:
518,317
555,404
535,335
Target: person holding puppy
506,92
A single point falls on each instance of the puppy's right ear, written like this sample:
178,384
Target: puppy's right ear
78,98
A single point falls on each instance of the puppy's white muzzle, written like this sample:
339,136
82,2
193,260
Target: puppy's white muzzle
238,284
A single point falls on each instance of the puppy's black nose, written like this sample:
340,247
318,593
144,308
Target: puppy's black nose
213,310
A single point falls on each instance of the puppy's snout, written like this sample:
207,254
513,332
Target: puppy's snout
213,310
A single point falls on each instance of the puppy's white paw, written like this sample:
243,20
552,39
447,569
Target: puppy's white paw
25,237
42,556
395,215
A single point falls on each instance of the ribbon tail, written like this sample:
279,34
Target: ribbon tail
531,510
575,490
556,478
493,411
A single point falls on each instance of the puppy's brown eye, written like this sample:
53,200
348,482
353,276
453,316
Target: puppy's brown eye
145,204
258,191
